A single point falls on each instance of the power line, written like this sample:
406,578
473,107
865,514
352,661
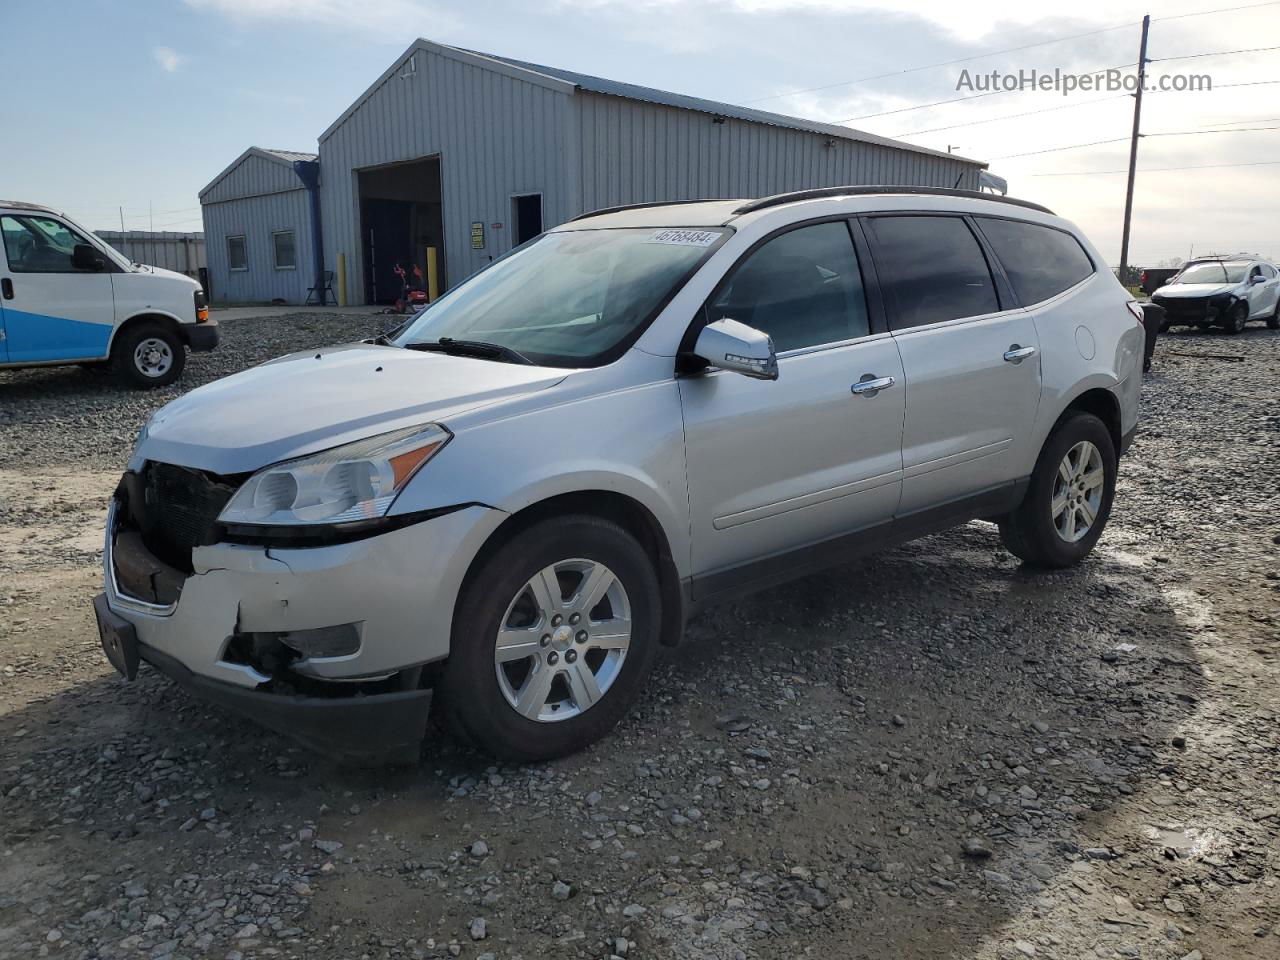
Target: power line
1098,143
1205,13
1014,116
1219,53
1204,166
1029,46
943,63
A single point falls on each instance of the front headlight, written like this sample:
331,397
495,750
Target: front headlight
357,481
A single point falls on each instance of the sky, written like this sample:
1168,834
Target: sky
135,105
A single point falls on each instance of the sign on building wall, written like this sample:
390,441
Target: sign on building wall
477,235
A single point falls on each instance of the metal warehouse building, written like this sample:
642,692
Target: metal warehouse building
459,156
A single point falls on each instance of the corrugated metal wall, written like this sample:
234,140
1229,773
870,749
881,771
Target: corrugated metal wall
255,176
183,252
496,137
635,152
257,218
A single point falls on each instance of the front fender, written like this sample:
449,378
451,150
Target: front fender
630,442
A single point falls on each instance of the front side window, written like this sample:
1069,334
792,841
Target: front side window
931,270
284,250
570,298
237,254
39,244
802,288
1040,261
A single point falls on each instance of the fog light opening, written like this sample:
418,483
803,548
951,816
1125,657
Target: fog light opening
342,640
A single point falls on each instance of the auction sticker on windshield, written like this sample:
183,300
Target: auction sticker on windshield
685,238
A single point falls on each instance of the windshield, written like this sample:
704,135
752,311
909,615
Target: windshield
570,298
1213,271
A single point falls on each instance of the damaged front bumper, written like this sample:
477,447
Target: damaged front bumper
217,629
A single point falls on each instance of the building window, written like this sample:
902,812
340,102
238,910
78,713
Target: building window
237,253
285,250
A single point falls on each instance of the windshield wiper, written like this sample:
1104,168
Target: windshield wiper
472,348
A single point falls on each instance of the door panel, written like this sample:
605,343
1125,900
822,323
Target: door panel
968,409
778,465
971,363
56,312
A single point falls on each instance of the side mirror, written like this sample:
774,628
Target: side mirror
1257,278
85,257
731,345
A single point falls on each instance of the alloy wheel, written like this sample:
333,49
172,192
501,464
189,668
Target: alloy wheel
1077,492
563,639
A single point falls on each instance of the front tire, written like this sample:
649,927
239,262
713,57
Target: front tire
148,355
1273,321
1237,318
1069,499
552,639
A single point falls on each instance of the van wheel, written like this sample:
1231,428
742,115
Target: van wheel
1069,500
148,355
552,639
1237,318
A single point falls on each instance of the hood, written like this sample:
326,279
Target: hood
1176,291
311,401
162,272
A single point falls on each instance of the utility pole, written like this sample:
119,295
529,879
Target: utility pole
122,224
1133,147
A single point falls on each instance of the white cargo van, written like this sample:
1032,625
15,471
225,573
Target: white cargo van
68,297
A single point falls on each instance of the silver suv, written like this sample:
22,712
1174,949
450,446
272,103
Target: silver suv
507,506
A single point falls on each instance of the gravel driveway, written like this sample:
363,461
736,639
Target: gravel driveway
933,753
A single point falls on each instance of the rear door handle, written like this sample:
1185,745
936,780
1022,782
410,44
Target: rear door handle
870,385
6,287
1016,354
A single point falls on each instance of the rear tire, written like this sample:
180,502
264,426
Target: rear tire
1067,504
148,355
521,682
1273,321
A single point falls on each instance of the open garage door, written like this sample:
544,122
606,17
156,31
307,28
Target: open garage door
401,218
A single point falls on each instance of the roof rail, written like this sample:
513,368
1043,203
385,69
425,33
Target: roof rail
635,206
821,192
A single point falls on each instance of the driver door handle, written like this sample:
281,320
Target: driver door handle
870,385
1016,354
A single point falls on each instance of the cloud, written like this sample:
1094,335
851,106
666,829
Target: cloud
399,17
168,58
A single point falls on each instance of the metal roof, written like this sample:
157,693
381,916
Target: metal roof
23,205
287,157
633,91
291,156
569,80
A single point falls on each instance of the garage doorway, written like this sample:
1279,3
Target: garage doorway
526,214
400,217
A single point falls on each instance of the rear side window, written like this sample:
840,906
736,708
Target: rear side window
802,288
931,270
1041,262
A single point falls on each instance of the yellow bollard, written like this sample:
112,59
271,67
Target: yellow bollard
433,275
342,279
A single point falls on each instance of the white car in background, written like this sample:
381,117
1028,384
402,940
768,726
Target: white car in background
67,297
1223,291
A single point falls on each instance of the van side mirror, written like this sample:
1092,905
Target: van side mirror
85,257
731,345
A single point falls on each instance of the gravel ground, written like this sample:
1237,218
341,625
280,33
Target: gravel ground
932,753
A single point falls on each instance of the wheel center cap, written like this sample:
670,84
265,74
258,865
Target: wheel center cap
562,638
